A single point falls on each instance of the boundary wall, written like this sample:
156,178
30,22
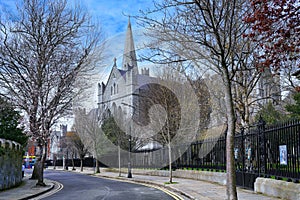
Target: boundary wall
267,186
10,164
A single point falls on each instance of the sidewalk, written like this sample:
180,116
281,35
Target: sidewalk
187,188
26,190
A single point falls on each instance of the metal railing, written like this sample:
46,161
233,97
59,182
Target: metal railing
266,151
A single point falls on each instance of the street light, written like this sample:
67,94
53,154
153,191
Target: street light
129,175
129,156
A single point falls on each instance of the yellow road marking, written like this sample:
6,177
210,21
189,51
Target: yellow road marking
172,194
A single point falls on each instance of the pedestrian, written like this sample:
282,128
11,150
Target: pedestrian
23,169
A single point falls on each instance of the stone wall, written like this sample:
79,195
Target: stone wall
277,188
215,177
270,187
10,164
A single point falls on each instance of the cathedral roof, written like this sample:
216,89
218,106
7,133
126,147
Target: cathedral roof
129,56
144,79
122,72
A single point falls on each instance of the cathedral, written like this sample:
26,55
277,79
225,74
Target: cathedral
123,91
120,92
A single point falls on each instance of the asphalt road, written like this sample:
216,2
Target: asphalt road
84,187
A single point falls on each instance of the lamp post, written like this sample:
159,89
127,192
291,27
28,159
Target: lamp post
129,155
129,175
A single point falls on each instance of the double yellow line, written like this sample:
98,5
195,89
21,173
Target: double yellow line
172,194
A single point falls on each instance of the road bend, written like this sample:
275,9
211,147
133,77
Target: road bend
84,187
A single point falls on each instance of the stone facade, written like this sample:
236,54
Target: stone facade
10,164
120,92
277,188
268,88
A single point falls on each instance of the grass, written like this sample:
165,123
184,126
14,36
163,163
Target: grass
170,183
204,169
279,178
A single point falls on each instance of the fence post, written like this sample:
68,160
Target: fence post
243,148
262,164
243,154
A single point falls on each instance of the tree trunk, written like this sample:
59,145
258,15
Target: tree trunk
230,165
38,171
73,166
97,166
64,162
34,175
170,163
54,162
36,167
119,159
81,164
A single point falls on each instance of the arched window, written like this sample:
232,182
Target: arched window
114,88
111,90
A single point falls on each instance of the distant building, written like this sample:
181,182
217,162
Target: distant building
269,88
120,92
55,143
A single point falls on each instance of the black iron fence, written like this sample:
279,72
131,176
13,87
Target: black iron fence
260,150
282,151
87,162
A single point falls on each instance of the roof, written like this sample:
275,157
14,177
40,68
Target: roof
122,72
145,79
129,56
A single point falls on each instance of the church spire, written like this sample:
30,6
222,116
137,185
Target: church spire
129,56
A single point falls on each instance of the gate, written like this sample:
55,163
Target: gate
249,153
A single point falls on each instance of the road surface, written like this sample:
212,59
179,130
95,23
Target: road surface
85,187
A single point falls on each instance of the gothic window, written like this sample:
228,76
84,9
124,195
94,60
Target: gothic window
111,90
114,88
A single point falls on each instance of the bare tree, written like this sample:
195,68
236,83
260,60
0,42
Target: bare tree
162,102
101,145
96,135
89,129
244,87
168,105
209,33
76,145
43,51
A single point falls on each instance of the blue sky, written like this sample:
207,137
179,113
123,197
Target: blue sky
113,16
111,13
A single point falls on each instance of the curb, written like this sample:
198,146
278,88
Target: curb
142,182
40,193
149,183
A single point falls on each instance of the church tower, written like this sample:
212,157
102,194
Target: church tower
130,66
120,90
129,56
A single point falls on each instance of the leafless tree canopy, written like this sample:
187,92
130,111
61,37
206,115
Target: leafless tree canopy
45,50
209,33
75,145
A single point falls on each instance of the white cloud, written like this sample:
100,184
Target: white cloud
112,14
